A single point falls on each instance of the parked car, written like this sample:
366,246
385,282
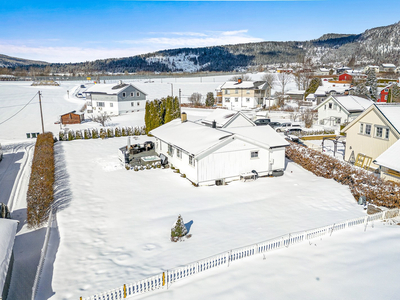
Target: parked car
293,130
260,122
286,125
274,124
1,153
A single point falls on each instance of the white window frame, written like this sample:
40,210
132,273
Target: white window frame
361,128
132,94
138,103
137,94
191,160
247,99
170,150
100,104
111,104
254,154
370,129
132,104
384,134
227,99
123,94
236,99
178,153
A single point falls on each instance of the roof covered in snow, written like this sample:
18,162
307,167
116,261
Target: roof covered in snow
221,116
245,85
195,138
353,103
392,113
8,229
189,136
110,89
390,158
388,66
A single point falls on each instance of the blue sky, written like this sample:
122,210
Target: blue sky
73,31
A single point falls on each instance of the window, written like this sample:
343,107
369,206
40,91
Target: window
179,153
379,132
247,99
137,94
368,129
111,104
338,120
325,106
387,133
236,91
330,105
100,104
124,95
170,150
382,132
191,160
254,154
138,103
247,92
227,92
227,99
361,128
132,104
132,94
236,99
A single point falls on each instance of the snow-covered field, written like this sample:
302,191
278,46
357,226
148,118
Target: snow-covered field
113,225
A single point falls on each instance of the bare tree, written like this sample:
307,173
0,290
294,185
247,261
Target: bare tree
244,77
283,79
269,78
307,117
102,118
195,99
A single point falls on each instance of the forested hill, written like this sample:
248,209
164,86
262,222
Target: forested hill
8,61
374,46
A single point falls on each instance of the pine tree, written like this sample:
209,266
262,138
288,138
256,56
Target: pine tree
177,109
147,115
210,99
168,110
361,90
372,83
179,230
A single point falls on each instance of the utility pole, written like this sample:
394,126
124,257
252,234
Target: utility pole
180,98
41,112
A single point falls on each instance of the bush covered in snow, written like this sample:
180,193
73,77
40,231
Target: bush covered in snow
361,182
179,230
40,191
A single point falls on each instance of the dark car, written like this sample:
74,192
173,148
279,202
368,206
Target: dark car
260,122
296,131
274,124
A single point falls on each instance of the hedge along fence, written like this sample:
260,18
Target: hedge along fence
40,190
165,279
104,132
361,182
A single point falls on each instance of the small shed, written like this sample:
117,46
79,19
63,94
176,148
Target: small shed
72,118
345,77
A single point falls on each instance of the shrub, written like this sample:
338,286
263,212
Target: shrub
117,132
110,133
78,135
95,133
86,134
71,135
124,132
40,190
103,133
130,131
61,135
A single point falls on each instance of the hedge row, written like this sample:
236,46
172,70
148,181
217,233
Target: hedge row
103,133
360,181
40,191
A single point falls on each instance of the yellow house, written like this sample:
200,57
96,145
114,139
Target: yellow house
372,133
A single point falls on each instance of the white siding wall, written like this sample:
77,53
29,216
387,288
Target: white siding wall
324,113
126,106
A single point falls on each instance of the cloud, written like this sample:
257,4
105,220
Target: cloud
152,42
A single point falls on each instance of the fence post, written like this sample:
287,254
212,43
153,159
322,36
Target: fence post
124,290
163,278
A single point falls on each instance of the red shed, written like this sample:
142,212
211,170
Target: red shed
72,118
384,95
345,77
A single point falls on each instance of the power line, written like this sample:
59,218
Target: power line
17,105
19,110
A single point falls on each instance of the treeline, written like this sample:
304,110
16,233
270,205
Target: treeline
159,112
40,191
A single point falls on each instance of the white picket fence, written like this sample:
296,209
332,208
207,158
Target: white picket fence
168,277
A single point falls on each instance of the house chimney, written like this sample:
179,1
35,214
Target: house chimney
214,124
120,82
239,80
183,117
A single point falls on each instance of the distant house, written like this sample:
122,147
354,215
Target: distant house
373,132
284,70
244,94
387,68
337,110
345,77
328,89
115,99
372,67
209,156
389,163
295,94
323,71
343,69
8,230
72,118
226,118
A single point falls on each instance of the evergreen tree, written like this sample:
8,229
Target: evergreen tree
210,99
177,108
372,83
169,116
179,230
147,115
312,88
361,90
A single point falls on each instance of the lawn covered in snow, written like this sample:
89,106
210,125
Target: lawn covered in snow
114,225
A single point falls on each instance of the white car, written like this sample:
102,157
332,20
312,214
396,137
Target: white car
287,125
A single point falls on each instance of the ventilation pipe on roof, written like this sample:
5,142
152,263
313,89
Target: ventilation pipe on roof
120,82
214,124
183,117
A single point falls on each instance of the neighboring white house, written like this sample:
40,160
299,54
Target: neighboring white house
240,94
8,230
387,68
210,156
225,118
337,110
372,67
389,163
323,71
115,99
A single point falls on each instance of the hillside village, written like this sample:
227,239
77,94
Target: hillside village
139,183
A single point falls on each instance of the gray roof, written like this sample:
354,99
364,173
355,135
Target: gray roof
110,89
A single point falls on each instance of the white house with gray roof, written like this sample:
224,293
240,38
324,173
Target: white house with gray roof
225,118
210,156
238,95
115,99
337,110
